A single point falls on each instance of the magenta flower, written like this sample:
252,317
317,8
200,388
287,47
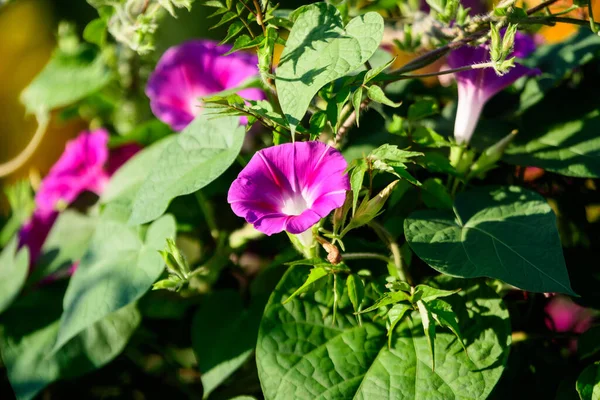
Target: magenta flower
290,187
85,165
79,169
564,315
192,70
476,87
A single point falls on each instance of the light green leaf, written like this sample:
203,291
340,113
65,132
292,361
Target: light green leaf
443,315
303,354
219,347
356,102
26,343
198,155
14,266
588,383
95,31
356,290
65,80
376,93
66,243
395,315
508,233
128,179
315,275
117,269
428,293
356,180
387,299
428,329
320,50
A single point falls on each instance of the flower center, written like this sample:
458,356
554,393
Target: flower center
294,205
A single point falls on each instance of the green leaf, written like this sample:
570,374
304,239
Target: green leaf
508,233
117,269
356,290
372,73
428,329
443,315
95,32
588,343
245,42
128,179
422,109
199,155
395,315
14,266
20,200
376,93
315,275
320,50
588,383
220,349
569,147
387,299
234,29
435,194
66,79
302,353
66,243
26,343
356,102
356,180
428,293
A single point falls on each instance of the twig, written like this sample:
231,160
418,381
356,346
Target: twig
17,162
365,256
540,6
349,122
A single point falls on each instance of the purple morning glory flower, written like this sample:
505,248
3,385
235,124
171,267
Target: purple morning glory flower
477,86
80,168
192,70
85,165
290,187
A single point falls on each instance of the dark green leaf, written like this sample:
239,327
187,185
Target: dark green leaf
422,109
315,275
435,194
588,344
356,291
507,233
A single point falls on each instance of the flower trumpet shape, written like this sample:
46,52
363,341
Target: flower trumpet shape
290,187
477,86
192,70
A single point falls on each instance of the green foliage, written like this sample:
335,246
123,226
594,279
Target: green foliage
15,265
199,154
314,52
27,343
117,269
67,78
20,200
65,245
219,347
588,383
302,352
505,233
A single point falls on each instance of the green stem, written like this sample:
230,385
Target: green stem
365,256
209,214
389,240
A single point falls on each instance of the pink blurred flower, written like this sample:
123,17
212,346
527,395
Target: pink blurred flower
290,187
564,315
85,165
477,86
192,70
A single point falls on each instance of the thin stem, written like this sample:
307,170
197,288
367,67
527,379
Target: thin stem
390,78
540,6
389,240
247,27
365,256
259,16
17,162
209,214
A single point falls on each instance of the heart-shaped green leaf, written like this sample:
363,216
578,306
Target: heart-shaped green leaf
507,233
320,50
303,352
